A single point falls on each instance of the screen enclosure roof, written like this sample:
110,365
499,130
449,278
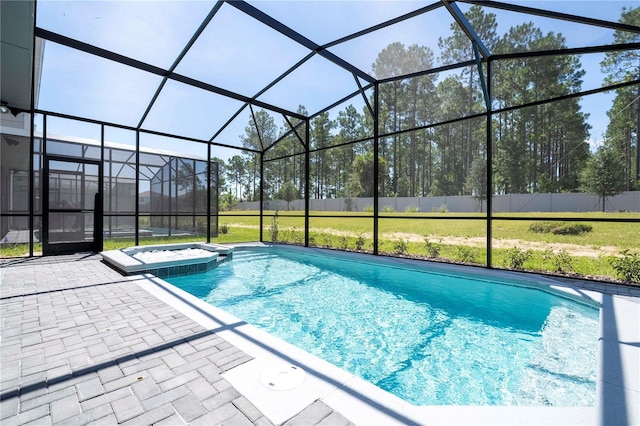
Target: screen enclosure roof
203,69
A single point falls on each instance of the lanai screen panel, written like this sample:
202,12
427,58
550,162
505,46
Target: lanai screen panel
154,32
178,187
416,44
239,53
88,86
324,22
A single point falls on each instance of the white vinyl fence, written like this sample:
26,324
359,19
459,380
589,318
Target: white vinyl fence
508,203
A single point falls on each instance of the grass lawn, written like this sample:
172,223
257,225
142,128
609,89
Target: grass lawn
448,238
464,240
619,235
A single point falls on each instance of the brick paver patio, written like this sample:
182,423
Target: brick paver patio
82,344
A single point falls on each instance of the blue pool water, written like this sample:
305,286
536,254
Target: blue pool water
429,338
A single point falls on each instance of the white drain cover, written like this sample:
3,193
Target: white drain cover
283,377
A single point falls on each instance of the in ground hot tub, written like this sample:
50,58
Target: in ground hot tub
167,260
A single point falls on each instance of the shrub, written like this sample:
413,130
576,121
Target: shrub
273,229
224,229
412,209
348,203
467,254
441,209
627,266
573,229
517,257
400,246
433,248
541,227
325,240
388,209
561,261
360,242
201,226
560,228
343,242
292,235
368,209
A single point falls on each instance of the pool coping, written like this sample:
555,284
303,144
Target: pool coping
617,389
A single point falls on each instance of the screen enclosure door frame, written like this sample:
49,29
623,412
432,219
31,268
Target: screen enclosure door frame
72,199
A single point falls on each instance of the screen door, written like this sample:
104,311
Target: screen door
73,217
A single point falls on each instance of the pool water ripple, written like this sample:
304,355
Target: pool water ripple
430,339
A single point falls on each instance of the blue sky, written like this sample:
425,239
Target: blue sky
240,54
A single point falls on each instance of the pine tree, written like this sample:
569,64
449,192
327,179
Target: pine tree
624,127
603,174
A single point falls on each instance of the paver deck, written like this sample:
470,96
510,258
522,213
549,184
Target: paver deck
81,344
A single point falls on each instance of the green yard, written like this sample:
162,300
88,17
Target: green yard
446,238
459,240
604,234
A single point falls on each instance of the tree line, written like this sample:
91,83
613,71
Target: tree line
540,148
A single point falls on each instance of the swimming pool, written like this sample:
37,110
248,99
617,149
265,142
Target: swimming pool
431,339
